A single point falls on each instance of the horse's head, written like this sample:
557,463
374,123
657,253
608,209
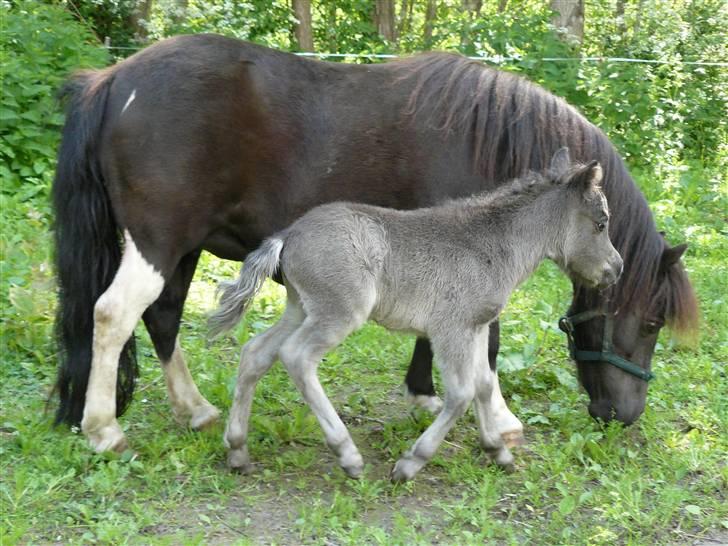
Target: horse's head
585,253
613,342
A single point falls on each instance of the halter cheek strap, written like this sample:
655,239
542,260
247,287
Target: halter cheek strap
567,323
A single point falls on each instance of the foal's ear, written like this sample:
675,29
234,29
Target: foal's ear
587,177
560,162
671,255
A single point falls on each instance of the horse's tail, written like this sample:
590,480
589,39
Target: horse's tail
237,295
87,247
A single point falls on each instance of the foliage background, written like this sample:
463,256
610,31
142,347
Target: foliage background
663,480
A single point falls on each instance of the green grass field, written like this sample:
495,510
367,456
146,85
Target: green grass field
661,481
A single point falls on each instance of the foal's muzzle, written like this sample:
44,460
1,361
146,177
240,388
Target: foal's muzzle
612,272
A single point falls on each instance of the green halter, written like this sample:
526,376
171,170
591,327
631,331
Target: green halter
567,323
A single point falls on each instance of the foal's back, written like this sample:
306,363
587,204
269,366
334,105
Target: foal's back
407,270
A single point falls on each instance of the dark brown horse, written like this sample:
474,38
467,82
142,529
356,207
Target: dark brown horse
203,142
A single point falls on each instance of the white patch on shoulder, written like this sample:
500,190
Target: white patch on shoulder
129,101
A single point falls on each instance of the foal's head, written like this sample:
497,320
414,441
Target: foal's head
585,253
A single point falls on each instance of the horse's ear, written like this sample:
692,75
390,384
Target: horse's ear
587,177
671,255
561,161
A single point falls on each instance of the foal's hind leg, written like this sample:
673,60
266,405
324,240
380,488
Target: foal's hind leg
162,320
256,358
457,359
135,286
301,354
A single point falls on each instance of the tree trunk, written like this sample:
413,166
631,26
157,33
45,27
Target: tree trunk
302,29
570,16
384,19
331,41
619,16
471,9
405,13
140,13
502,4
430,16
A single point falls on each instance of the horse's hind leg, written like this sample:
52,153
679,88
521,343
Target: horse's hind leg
135,286
301,354
457,359
256,358
162,320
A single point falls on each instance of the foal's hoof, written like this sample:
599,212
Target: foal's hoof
239,461
503,458
405,469
204,416
513,438
354,468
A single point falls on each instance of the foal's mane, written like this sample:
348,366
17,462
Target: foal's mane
513,127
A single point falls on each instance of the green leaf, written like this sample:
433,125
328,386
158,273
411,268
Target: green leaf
567,505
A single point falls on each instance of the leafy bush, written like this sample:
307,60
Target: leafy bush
39,46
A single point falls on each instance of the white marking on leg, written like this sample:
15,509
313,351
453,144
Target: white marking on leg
184,396
129,101
135,287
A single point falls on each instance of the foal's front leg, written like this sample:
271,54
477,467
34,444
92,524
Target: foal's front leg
457,359
491,438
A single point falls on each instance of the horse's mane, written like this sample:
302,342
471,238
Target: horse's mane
513,127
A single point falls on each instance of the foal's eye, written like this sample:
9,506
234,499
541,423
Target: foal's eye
600,226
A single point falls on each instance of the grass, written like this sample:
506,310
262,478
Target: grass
661,481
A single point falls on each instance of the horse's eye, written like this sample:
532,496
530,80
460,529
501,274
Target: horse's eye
600,226
651,327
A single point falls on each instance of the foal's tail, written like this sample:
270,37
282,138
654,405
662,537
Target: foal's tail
87,248
237,295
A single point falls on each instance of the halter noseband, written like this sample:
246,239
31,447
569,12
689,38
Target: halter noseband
567,323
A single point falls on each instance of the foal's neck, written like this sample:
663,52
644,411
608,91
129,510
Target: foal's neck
525,231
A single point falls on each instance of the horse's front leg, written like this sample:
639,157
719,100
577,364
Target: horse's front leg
135,286
162,320
419,388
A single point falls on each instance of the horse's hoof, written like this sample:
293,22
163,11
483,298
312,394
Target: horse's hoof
430,403
239,461
204,416
108,438
513,438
